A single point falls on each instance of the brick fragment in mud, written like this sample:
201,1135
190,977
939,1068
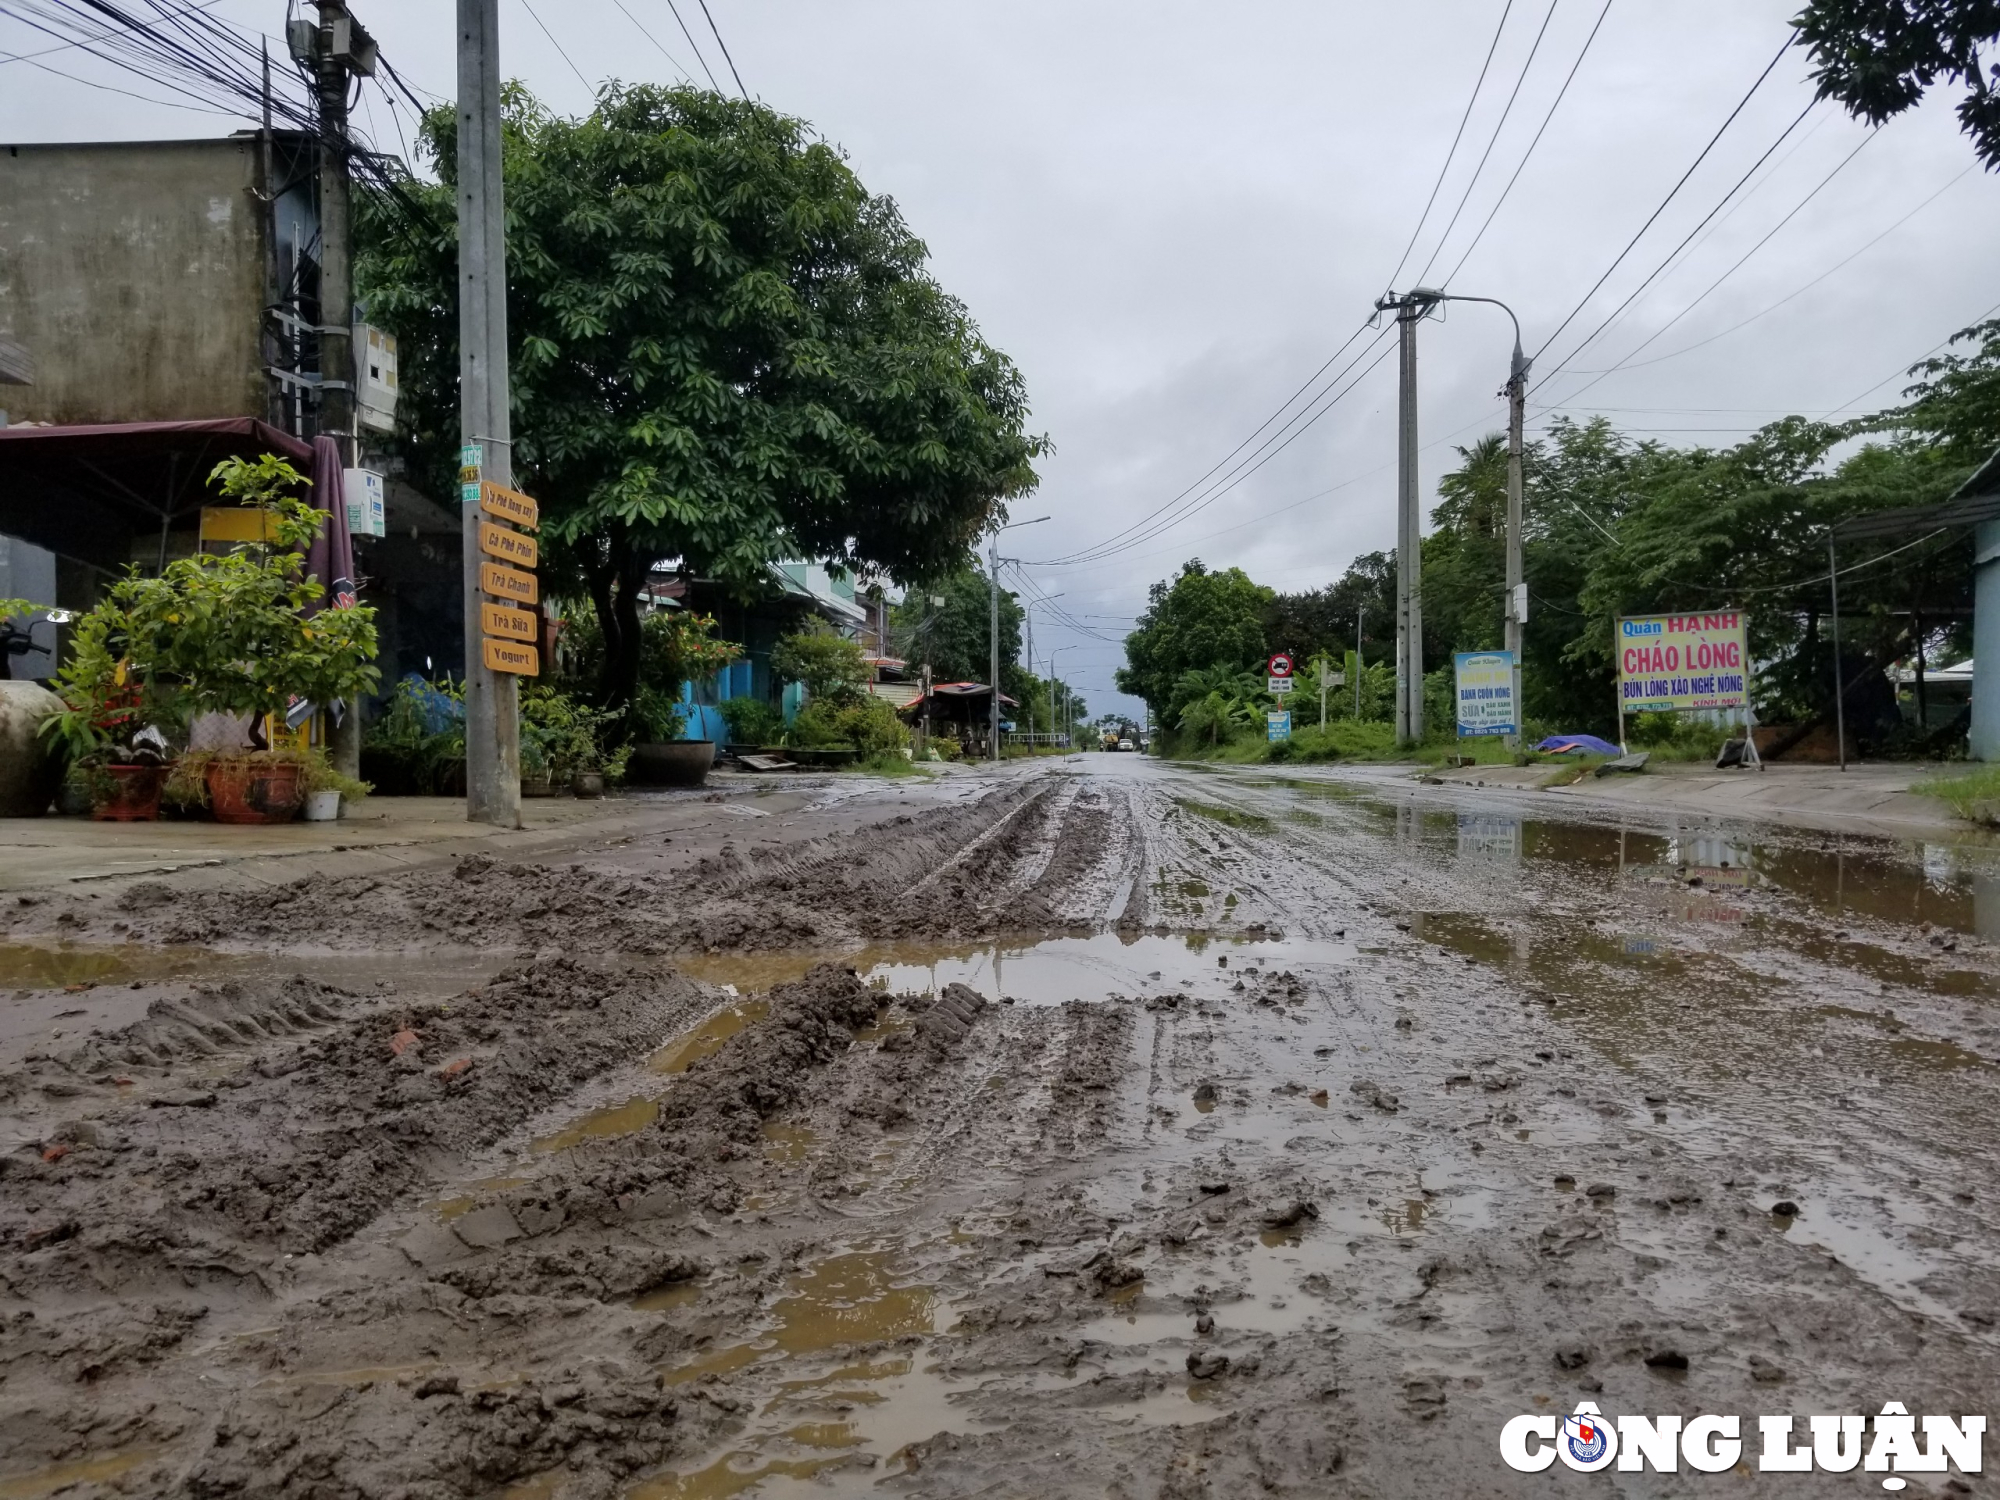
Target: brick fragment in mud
952,1016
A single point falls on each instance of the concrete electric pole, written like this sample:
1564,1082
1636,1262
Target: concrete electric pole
1410,308
1517,588
993,630
492,699
993,642
341,49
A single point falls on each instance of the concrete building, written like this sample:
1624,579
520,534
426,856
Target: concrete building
156,281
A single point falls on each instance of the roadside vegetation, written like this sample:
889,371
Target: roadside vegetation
1616,525
1973,795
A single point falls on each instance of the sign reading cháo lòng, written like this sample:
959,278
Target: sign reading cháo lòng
1670,663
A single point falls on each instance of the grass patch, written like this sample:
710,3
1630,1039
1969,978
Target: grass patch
891,763
1972,795
1252,822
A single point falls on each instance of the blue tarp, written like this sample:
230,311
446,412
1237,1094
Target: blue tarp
1589,744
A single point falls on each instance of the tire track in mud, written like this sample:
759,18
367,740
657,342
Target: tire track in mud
1072,1226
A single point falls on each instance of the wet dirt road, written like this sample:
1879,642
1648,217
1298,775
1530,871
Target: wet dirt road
1111,1129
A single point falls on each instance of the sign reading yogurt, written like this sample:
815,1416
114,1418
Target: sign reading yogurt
1673,662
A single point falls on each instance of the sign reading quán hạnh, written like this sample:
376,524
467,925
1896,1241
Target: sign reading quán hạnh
1668,663
1485,687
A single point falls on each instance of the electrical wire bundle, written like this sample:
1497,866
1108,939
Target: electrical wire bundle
210,64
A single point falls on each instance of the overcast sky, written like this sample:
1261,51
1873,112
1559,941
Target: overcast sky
1170,215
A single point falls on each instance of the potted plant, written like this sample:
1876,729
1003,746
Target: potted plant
261,784
326,789
235,630
117,714
753,724
675,647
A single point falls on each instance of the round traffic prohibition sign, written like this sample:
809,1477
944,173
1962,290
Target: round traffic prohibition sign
1281,665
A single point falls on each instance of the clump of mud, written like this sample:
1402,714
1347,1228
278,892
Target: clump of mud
944,872
259,1120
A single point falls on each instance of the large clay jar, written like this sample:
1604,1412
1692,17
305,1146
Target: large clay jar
30,772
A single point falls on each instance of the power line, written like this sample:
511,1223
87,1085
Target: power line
1674,192
109,88
528,6
698,57
725,51
1283,407
1631,296
1580,56
1269,449
1905,369
1772,231
1800,291
1459,135
1491,141
1106,545
654,40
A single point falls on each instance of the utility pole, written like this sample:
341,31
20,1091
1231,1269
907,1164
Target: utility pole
993,626
492,699
340,49
1357,661
1517,588
1410,308
1028,626
993,641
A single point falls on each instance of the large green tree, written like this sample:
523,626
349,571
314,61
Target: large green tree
1879,57
725,351
949,625
1200,620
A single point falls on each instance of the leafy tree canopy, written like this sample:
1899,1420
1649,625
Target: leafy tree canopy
1879,57
725,351
953,635
1616,526
1201,619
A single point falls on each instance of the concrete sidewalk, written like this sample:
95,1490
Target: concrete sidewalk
1866,798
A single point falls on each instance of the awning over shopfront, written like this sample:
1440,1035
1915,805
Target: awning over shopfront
91,493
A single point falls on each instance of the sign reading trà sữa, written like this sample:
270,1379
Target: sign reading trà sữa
1668,663
507,631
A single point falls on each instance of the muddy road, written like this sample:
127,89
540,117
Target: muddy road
1106,1129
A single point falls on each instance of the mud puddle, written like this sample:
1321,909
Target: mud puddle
845,1341
1051,971
34,966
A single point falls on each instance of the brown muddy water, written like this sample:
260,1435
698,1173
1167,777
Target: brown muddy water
1255,1135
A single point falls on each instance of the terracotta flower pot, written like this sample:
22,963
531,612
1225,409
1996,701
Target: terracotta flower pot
254,791
586,784
134,795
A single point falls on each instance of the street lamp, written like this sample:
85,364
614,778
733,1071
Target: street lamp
1061,718
993,629
1028,623
1410,308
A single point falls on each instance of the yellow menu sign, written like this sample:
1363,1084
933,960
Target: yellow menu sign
509,546
509,583
512,624
511,656
509,505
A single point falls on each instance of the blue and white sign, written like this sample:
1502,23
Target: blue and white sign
1278,724
1486,693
